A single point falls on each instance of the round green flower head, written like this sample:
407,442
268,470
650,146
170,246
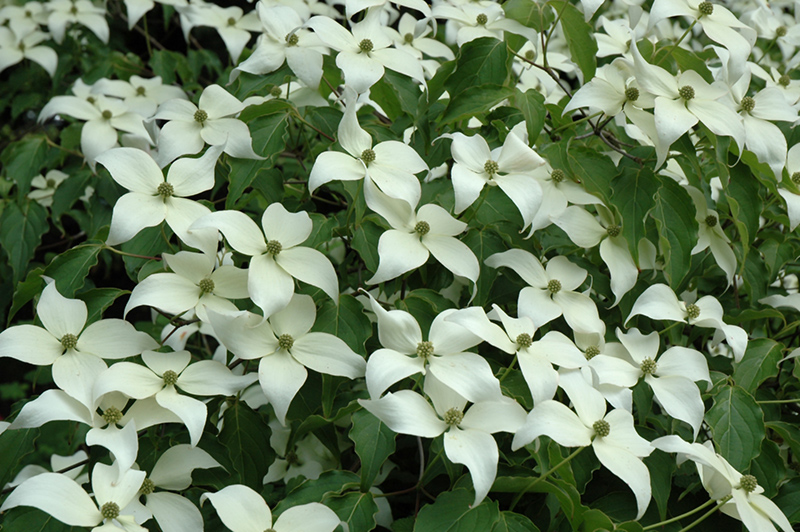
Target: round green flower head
558,175
748,104
481,19
524,340
491,167
200,116
796,178
591,352
422,228
554,286
206,285
749,483
648,366
285,341
365,46
693,311
368,156
110,510
631,94
165,190
711,220
408,38
112,415
453,417
274,247
706,8
781,31
170,378
424,349
107,114
686,92
292,39
147,487
601,428
69,341
613,230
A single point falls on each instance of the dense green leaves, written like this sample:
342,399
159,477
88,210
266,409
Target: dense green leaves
677,230
21,230
374,443
245,436
582,46
738,425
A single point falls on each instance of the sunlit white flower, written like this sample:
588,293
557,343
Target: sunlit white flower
83,12
14,47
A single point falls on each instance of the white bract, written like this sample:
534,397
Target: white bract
612,436
285,348
467,431
277,258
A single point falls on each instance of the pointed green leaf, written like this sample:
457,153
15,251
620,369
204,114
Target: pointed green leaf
760,362
673,213
737,423
246,437
580,37
374,443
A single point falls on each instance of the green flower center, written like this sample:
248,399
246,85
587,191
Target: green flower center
21,47
274,247
107,114
275,92
693,311
631,94
291,458
711,220
424,349
112,415
147,487
292,39
231,21
553,286
140,91
110,510
524,340
648,366
686,92
28,14
705,8
784,80
530,55
69,341
200,116
558,175
365,46
422,228
748,104
206,285
368,156
170,378
408,38
781,31
748,483
491,167
601,428
453,417
165,190
285,341
481,19
796,178
591,352
73,10
90,99
51,183
613,230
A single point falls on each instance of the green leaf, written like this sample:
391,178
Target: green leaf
23,160
593,169
673,213
374,443
532,14
26,291
27,519
788,432
424,304
451,512
14,446
484,243
475,100
245,435
579,35
21,230
634,190
511,522
356,509
71,268
769,468
788,500
630,526
737,423
346,321
481,61
365,242
760,362
98,300
330,483
595,521
531,105
745,205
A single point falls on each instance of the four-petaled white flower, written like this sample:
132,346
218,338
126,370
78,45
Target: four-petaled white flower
277,256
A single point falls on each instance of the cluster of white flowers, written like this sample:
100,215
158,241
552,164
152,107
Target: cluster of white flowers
243,283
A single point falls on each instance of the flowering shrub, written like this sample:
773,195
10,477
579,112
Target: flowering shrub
398,265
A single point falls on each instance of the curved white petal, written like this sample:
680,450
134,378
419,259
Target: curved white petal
281,377
478,451
240,508
192,412
312,267
57,495
406,412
